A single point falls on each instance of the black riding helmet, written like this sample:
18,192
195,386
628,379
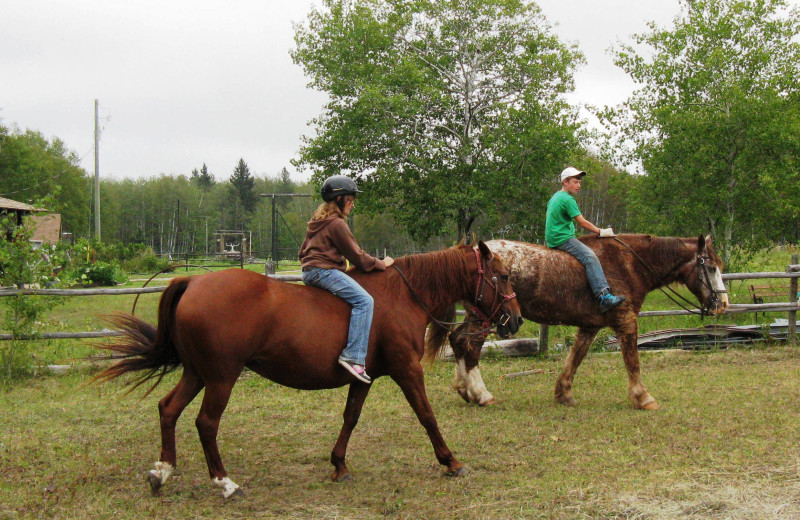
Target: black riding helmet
338,185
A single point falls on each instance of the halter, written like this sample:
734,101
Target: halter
704,280
481,280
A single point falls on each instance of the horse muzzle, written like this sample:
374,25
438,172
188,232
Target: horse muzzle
507,325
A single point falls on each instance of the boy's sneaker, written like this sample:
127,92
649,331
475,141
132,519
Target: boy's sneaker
358,371
608,301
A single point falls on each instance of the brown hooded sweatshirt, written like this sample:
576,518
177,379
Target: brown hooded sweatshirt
329,241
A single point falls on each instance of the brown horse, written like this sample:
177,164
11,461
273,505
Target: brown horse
552,288
217,324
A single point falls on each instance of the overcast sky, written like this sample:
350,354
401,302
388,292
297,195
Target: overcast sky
185,82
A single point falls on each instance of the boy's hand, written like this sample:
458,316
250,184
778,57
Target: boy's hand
606,232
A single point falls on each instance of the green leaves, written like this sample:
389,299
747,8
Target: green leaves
32,168
715,118
433,102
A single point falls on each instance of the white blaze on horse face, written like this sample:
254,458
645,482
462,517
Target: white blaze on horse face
719,286
163,471
228,486
472,384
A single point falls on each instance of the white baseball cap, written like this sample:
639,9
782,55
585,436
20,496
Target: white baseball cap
569,171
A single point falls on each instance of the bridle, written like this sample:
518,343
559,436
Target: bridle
705,280
496,304
703,276
499,299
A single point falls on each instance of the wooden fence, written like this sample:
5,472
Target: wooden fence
790,306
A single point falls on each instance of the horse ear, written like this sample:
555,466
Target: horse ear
701,243
485,251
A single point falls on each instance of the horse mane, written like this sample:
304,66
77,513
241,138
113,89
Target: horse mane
662,252
437,274
665,249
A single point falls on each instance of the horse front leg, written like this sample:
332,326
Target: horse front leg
628,334
467,347
583,340
214,402
169,410
412,384
356,396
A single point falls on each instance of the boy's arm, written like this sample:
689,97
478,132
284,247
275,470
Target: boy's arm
588,226
585,224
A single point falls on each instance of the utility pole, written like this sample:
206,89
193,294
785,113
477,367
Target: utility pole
96,173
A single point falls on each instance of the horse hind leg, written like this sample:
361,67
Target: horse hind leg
637,393
169,410
214,402
356,396
577,353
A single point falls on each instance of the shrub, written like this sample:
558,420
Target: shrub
23,266
146,261
100,273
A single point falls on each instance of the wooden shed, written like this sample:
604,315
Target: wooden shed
47,228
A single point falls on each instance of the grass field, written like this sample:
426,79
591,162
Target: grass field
724,445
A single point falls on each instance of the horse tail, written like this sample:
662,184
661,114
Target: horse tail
144,347
436,336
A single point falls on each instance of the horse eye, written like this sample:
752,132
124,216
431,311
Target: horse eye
504,278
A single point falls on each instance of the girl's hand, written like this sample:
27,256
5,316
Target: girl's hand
387,261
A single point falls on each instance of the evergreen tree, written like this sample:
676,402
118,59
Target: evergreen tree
243,189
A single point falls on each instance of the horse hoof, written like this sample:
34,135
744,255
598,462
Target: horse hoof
567,401
236,493
346,477
155,483
458,472
652,405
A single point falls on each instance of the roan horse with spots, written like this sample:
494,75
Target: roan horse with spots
216,324
552,288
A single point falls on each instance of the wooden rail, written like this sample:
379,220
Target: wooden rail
790,307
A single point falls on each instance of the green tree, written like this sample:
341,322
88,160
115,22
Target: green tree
715,123
203,178
446,111
32,168
243,186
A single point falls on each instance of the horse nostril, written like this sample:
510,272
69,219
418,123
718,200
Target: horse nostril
520,321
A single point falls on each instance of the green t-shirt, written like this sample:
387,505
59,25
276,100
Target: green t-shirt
559,227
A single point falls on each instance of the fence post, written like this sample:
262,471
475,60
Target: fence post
544,332
792,335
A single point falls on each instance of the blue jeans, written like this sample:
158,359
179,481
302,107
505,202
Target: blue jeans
585,255
362,304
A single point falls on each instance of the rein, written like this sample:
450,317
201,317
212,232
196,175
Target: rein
703,311
481,280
